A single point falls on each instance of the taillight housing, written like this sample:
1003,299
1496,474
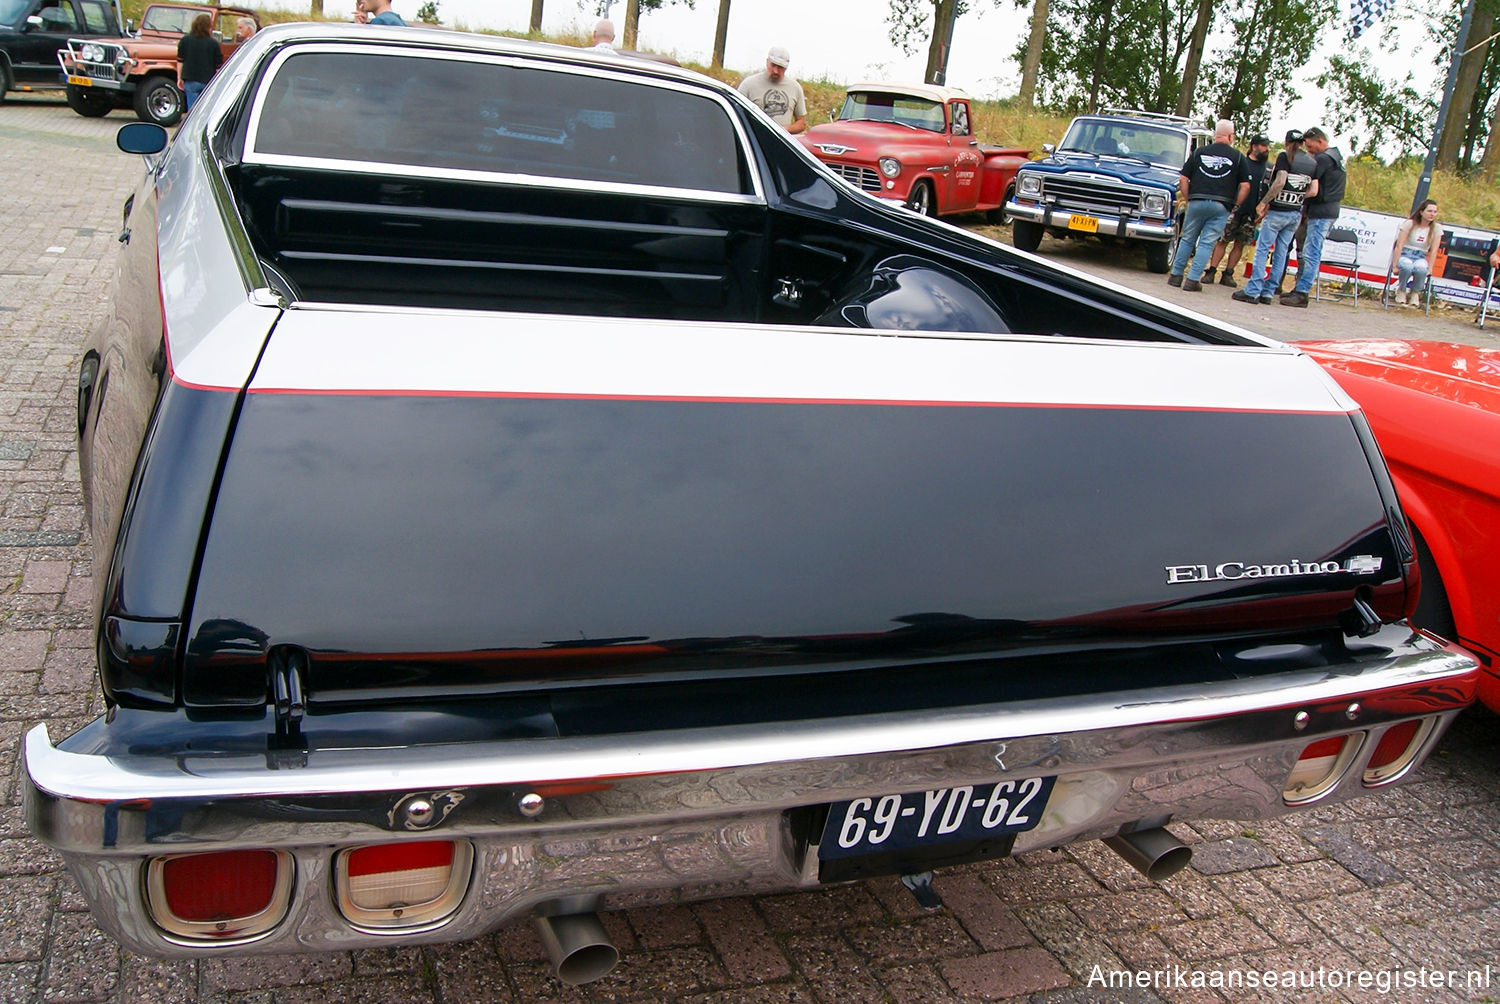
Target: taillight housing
1397,749
1319,767
401,886
219,896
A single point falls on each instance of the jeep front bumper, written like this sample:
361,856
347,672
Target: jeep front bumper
1110,226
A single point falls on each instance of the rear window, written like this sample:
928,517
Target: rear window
409,110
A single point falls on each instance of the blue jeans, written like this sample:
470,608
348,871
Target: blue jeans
190,91
1412,268
1312,254
1276,231
1202,225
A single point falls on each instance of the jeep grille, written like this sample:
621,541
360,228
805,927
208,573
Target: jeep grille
1101,198
104,69
859,177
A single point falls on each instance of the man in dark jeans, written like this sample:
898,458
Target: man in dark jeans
1240,232
1321,211
1214,182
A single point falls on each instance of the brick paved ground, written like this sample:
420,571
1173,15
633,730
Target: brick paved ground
1407,879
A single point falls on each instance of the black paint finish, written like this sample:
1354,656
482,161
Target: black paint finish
412,545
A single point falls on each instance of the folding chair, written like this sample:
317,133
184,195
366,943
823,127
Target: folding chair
1424,294
1487,271
1348,241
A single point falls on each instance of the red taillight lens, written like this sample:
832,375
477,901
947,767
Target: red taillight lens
1397,750
219,895
1319,768
202,888
402,885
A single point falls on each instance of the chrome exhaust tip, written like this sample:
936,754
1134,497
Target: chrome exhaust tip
1155,853
578,946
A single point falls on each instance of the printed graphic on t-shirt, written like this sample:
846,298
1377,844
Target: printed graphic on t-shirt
776,102
1214,166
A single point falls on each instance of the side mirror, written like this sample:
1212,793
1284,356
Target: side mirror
141,137
833,114
33,22
1049,148
129,26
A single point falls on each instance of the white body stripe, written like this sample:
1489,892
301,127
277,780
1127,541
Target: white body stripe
344,350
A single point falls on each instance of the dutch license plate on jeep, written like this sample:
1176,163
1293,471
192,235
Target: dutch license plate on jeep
942,815
1080,221
80,81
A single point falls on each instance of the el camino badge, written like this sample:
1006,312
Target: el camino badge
833,149
1360,564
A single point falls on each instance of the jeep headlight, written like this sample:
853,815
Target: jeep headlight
890,166
1030,186
1154,204
93,53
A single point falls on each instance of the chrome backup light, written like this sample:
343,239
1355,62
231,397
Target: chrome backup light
1320,767
398,887
1030,184
1397,750
221,896
889,166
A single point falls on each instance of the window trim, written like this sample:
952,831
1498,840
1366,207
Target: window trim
252,156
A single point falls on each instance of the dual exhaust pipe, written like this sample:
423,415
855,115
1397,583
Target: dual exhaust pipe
582,951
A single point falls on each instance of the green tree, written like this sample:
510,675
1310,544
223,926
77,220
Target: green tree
428,12
1269,42
1100,53
913,22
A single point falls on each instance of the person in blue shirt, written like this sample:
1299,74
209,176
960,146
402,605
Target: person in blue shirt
376,12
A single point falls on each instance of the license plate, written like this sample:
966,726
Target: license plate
80,81
942,815
1088,224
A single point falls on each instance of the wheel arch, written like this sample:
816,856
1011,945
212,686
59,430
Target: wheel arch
1443,551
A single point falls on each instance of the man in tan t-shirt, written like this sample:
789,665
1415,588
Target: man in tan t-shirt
777,94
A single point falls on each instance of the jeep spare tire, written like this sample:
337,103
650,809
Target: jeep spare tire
158,100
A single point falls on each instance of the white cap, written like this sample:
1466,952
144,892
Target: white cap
779,56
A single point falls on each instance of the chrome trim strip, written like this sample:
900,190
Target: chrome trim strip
803,746
747,162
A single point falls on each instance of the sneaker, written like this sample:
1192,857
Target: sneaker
1192,286
1267,299
1244,297
1294,299
1227,279
1174,280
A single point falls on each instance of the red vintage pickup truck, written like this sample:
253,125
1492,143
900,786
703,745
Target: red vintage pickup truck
915,144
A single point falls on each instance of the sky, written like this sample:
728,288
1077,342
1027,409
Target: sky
845,40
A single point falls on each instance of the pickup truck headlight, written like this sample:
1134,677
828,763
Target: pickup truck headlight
1030,185
1155,205
890,166
93,53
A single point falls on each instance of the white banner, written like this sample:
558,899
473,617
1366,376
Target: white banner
1458,272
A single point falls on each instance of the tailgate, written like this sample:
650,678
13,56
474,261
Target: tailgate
421,501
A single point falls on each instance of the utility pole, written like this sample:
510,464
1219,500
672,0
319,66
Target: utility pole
1437,130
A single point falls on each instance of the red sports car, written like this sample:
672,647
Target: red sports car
1435,409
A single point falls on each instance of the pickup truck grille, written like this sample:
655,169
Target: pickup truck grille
860,177
1097,197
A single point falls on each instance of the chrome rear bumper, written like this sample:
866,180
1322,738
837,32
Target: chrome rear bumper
705,813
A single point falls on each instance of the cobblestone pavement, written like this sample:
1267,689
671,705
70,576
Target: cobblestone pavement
1409,878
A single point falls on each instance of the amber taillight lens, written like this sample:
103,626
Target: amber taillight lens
403,885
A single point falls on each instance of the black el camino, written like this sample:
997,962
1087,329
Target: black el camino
524,481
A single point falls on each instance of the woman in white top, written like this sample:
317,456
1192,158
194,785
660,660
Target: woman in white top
1414,252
